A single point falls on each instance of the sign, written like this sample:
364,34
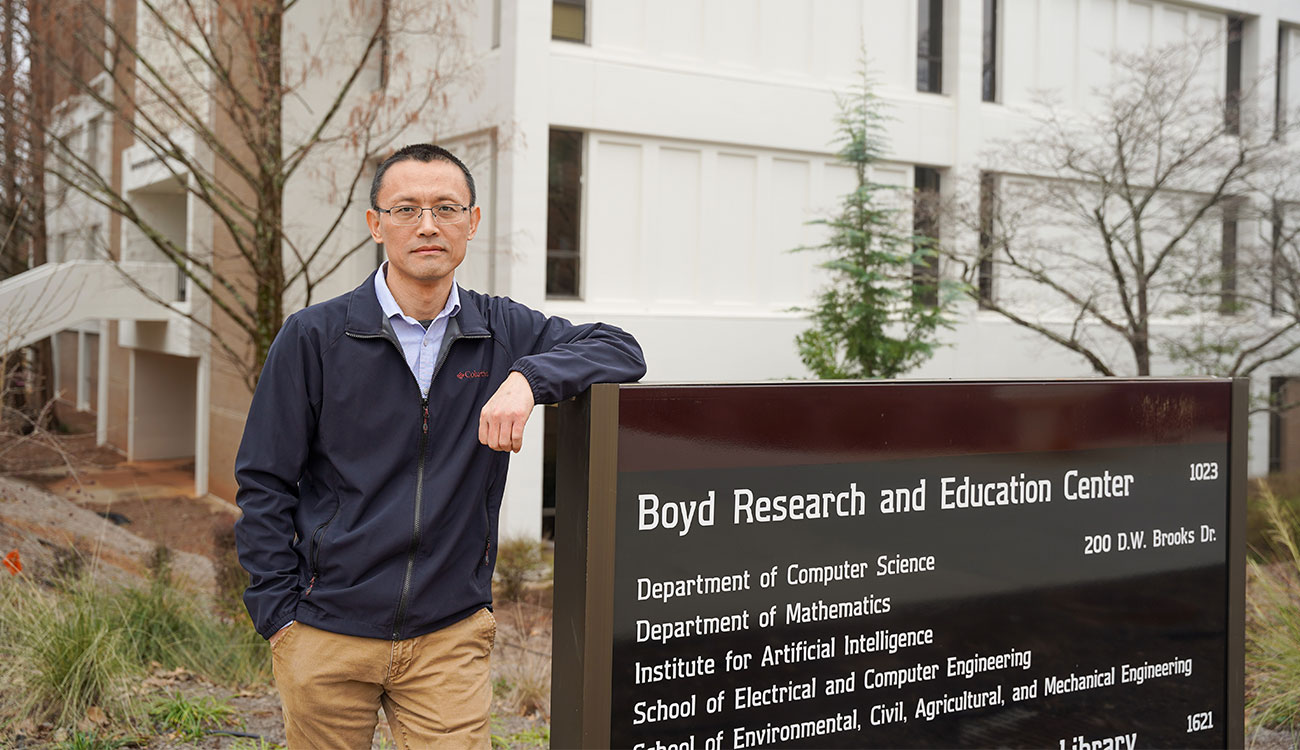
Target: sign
1008,564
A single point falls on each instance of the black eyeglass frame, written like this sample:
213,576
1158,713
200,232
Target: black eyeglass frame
459,216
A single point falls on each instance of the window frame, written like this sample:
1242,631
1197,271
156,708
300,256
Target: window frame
986,279
1236,31
586,22
992,46
1230,222
933,39
925,277
576,254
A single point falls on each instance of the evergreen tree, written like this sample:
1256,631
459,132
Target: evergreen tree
877,317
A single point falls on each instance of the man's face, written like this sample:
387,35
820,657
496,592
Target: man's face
427,252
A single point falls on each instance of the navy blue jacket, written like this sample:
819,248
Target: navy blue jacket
367,510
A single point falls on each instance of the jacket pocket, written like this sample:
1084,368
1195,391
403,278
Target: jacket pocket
483,571
317,541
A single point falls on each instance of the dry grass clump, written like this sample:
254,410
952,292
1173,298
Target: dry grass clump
521,665
1273,619
73,646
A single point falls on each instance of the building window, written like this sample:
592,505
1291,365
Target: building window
929,46
1282,277
1275,259
563,213
384,42
1232,91
988,214
569,20
1228,260
92,143
925,223
496,24
989,77
1276,394
1281,80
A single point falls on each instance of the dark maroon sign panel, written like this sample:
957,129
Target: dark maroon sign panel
924,565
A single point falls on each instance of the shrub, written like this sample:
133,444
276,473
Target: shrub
518,560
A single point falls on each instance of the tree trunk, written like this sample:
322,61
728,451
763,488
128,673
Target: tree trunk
269,20
40,97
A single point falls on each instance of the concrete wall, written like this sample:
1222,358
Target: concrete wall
118,416
162,406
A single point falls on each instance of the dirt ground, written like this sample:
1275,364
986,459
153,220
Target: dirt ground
67,503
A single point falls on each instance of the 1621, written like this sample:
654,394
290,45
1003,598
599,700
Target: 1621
1199,722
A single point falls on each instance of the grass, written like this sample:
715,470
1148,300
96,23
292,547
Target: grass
189,718
166,626
1273,618
63,654
246,743
78,643
532,737
1283,490
93,741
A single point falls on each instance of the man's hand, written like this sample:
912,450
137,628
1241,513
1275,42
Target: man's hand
501,423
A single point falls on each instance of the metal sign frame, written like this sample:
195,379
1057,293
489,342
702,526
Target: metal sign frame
594,437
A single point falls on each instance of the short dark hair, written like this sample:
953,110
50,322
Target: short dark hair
425,152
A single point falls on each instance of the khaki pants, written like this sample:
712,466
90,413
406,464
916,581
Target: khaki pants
434,688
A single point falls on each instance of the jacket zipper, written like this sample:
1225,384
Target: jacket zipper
400,619
315,549
487,541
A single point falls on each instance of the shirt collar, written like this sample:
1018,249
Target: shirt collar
389,305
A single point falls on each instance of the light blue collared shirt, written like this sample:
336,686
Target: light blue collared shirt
421,347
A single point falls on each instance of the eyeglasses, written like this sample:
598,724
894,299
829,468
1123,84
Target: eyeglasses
444,213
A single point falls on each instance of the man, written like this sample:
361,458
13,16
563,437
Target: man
372,468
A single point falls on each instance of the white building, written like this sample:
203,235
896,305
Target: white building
631,156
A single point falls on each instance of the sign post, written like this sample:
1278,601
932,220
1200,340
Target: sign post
901,564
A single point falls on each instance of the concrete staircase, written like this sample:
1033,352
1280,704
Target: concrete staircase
40,302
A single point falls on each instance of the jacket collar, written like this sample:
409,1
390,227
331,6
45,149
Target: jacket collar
366,317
